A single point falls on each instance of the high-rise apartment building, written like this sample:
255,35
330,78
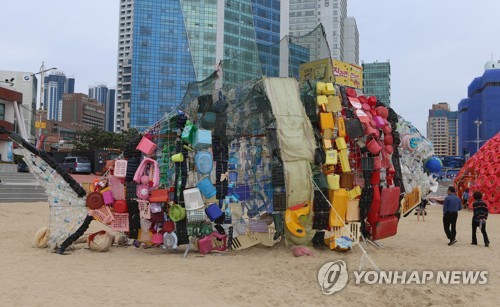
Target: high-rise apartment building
442,129
305,15
351,41
99,92
25,83
377,81
106,97
55,86
165,45
479,113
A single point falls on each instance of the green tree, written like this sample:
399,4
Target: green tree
97,138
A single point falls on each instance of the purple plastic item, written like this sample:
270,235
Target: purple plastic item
379,121
213,212
108,198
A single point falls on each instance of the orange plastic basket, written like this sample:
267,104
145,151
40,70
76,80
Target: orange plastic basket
120,222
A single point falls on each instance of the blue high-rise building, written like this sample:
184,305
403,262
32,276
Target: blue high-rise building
298,55
479,113
165,45
239,45
106,97
161,43
99,93
267,33
70,85
56,85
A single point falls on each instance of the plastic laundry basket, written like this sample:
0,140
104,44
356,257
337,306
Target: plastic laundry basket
193,199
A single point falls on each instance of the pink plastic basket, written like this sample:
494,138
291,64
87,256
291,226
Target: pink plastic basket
120,222
146,146
103,214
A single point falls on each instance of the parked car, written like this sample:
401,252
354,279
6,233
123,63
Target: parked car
22,167
76,165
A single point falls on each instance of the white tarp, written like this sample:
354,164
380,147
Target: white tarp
295,136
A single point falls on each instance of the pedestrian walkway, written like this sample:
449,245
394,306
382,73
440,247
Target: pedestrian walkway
20,187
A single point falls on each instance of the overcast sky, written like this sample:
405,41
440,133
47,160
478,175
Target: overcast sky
436,47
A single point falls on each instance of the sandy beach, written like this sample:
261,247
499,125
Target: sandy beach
260,276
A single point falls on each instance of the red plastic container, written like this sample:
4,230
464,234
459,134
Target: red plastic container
373,214
384,228
389,201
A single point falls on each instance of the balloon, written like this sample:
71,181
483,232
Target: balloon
433,165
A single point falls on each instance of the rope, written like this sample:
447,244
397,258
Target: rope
365,255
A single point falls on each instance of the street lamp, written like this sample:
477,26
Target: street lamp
42,71
478,124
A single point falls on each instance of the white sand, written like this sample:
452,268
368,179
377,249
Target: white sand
127,276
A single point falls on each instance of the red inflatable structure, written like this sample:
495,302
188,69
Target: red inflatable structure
482,173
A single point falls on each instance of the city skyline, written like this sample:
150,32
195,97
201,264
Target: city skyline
434,49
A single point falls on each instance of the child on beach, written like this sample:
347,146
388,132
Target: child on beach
465,198
421,210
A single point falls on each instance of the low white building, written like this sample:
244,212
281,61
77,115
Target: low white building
10,103
26,84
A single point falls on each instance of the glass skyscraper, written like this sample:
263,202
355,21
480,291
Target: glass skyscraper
267,32
240,42
377,81
164,45
200,21
162,62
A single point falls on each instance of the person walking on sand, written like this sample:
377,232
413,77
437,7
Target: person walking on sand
452,204
479,218
421,210
465,198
